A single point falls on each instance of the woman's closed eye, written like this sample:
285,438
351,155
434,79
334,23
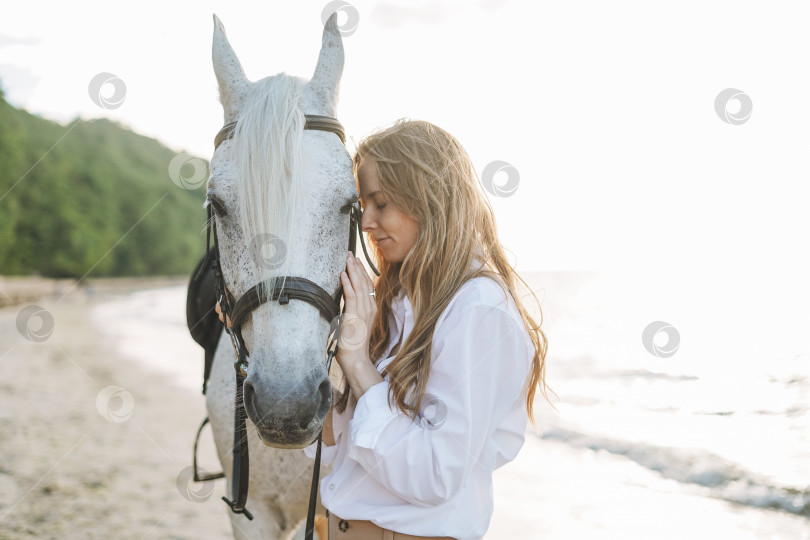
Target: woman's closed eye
377,206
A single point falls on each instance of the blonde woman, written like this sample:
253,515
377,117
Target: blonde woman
442,360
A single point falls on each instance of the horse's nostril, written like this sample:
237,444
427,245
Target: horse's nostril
325,393
248,392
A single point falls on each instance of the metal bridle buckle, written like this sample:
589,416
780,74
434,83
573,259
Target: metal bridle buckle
239,365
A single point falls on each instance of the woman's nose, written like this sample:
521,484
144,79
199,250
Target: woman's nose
367,222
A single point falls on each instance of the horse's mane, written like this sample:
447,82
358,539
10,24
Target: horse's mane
267,155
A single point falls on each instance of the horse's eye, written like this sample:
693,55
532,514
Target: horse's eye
216,206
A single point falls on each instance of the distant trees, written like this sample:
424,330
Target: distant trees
101,199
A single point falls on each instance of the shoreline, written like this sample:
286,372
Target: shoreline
75,469
18,290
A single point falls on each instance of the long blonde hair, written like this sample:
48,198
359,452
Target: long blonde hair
427,174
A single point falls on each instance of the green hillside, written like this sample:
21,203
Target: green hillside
86,203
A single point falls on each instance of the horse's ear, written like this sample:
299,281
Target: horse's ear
228,69
326,79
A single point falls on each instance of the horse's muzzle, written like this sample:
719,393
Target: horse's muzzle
285,416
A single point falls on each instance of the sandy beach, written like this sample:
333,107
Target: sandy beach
96,436
83,458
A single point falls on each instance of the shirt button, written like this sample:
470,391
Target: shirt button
331,486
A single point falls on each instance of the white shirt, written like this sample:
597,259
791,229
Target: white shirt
433,476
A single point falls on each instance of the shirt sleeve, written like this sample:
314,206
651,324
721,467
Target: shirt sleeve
480,362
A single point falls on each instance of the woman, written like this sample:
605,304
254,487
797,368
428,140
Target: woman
440,358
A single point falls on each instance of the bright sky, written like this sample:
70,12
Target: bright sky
606,110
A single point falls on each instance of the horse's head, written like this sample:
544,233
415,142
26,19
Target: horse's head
277,191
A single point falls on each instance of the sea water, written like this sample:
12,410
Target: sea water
728,411
709,437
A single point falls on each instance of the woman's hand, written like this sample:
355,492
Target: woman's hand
358,318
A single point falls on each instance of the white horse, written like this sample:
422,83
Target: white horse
275,178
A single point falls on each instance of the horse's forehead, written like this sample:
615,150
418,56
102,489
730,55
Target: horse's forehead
324,178
312,102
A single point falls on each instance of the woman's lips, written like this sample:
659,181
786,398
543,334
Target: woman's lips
381,240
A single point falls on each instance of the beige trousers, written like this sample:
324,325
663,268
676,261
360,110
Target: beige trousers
355,529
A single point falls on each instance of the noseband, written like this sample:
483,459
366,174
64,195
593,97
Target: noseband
284,289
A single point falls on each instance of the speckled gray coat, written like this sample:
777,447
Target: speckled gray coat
286,343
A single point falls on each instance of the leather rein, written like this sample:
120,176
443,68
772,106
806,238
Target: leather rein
284,288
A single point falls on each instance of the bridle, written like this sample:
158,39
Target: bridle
284,288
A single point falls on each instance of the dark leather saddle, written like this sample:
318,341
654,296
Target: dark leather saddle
201,316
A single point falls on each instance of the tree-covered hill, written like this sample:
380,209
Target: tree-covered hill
91,195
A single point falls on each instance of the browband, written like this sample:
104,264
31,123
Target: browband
313,121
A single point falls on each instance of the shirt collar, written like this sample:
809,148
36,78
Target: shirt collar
403,311
401,323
